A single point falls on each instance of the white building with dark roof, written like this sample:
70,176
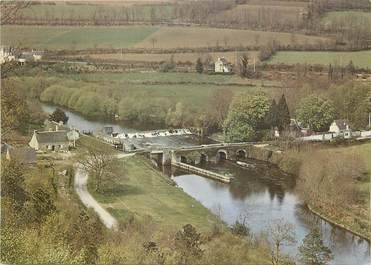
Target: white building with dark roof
50,141
222,66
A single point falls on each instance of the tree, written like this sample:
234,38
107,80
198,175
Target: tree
59,116
246,113
188,243
12,183
199,66
352,102
271,119
283,114
10,9
98,161
14,108
281,233
243,65
316,113
220,102
313,251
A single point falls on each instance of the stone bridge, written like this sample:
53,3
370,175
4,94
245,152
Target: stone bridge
214,152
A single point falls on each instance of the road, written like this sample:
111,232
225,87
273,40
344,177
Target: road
81,179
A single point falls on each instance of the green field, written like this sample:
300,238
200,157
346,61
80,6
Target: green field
112,11
45,37
341,16
361,59
49,37
142,191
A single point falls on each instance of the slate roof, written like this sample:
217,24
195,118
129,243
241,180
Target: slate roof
23,154
52,137
341,124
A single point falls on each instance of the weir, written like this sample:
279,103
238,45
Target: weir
203,172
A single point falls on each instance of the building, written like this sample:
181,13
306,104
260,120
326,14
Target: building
341,128
222,66
6,55
50,141
25,155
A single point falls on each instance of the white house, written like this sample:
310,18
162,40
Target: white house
341,127
222,66
6,55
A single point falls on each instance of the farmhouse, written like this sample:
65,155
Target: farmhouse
341,127
50,141
222,66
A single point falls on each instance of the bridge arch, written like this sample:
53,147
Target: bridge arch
241,153
204,158
221,155
183,159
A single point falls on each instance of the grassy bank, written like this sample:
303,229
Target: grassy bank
141,190
360,59
342,196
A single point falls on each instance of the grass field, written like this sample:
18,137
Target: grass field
341,16
177,57
179,37
113,10
360,59
142,191
46,37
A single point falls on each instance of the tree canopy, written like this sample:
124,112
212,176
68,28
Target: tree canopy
59,116
316,113
246,113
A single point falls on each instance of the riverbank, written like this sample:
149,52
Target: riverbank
355,160
333,221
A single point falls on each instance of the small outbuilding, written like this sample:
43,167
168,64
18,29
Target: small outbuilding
25,155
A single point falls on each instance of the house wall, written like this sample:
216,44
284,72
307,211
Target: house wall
59,146
334,128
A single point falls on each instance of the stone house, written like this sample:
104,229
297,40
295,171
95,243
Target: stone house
341,128
50,141
222,66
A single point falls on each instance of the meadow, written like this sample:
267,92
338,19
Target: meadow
90,11
177,57
341,16
193,37
361,59
47,37
143,191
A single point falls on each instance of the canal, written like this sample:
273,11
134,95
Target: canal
260,194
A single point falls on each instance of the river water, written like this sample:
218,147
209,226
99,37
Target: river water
259,194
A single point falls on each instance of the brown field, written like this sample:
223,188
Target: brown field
113,2
193,37
177,57
277,3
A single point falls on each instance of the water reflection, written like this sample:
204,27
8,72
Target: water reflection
262,193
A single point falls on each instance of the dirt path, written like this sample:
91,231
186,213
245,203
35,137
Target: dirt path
81,179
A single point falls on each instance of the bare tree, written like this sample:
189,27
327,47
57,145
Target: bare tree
10,9
281,233
98,161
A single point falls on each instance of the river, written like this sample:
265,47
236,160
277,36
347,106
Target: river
260,194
